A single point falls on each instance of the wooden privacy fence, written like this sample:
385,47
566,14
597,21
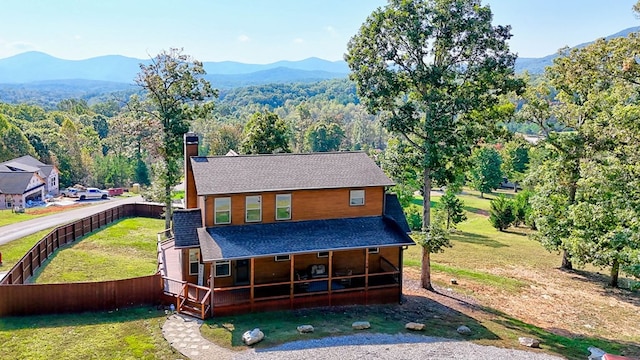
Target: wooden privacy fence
69,233
18,298
35,299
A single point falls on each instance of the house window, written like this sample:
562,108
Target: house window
373,250
194,261
356,198
283,207
223,210
282,257
254,208
222,269
323,254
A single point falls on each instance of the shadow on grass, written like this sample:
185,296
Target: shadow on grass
280,327
87,318
471,238
476,210
622,293
561,341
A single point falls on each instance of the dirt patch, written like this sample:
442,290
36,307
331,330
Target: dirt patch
52,209
567,303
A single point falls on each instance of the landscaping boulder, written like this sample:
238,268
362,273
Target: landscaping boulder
596,353
529,342
303,329
253,336
360,325
463,330
414,326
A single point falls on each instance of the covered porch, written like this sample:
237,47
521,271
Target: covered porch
349,277
303,264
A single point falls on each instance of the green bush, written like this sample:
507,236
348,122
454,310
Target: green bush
501,213
414,217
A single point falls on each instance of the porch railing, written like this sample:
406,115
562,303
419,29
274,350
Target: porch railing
195,300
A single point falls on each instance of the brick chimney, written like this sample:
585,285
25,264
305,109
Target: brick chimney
190,149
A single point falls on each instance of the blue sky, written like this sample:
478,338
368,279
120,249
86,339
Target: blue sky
264,31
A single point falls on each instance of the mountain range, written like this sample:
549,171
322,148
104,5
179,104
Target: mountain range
36,69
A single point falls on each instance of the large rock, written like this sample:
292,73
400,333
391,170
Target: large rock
414,326
463,330
253,336
303,329
360,325
596,353
529,342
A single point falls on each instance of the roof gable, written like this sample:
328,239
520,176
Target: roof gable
15,182
185,225
279,172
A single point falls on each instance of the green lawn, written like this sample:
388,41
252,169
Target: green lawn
124,249
15,250
8,217
133,333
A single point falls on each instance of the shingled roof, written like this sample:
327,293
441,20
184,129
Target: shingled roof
185,225
246,241
281,172
16,183
393,209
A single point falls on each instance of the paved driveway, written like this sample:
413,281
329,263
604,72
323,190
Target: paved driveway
15,231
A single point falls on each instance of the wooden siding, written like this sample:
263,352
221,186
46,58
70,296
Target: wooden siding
35,299
305,205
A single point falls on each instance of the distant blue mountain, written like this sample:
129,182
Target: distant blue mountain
36,67
537,65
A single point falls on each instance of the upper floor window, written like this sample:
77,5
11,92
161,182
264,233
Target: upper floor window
283,207
222,210
356,197
253,208
194,261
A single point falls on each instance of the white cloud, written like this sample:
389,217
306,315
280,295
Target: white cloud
331,30
19,46
243,38
298,41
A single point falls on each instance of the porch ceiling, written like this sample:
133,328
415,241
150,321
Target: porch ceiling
246,241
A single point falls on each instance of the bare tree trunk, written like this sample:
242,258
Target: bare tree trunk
566,261
426,224
615,270
426,268
167,203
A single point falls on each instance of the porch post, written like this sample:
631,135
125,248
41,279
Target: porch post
211,285
401,254
291,280
330,281
251,280
366,276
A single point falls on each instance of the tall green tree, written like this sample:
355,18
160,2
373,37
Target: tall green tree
175,94
432,67
265,133
485,174
501,212
515,160
324,136
453,209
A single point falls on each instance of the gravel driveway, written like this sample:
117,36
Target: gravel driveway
382,346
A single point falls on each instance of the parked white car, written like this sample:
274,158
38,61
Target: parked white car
92,193
70,192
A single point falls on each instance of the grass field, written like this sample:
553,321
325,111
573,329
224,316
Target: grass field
125,334
15,250
124,249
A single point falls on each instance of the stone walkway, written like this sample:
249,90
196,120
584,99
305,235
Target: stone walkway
183,333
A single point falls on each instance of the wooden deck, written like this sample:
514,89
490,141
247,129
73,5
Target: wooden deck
170,267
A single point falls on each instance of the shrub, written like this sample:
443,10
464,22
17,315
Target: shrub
501,213
414,217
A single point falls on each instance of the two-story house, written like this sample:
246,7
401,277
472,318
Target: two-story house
26,178
281,231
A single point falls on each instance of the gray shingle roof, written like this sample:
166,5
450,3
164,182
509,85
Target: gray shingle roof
277,172
246,241
185,225
393,209
15,183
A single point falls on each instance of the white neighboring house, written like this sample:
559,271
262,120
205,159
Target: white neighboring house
24,179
